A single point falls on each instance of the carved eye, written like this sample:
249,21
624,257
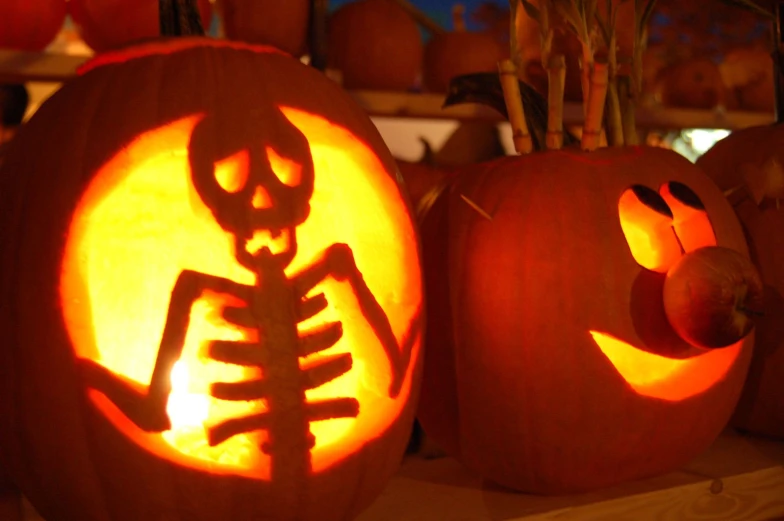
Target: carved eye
289,172
232,172
646,221
660,227
690,220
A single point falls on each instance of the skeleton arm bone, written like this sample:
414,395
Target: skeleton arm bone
147,409
338,261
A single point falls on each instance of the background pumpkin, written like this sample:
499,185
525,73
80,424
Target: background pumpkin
537,303
107,190
109,24
271,22
30,26
375,44
747,166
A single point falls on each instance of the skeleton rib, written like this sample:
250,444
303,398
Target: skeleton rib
221,432
236,391
334,408
325,369
249,354
320,339
310,307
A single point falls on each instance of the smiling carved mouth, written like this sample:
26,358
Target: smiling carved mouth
669,379
273,242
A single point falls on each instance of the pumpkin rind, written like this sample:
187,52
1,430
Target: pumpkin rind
64,452
515,386
761,407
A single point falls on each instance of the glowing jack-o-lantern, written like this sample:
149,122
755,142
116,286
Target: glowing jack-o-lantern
551,364
218,300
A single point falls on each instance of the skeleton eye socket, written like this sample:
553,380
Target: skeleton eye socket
289,172
232,172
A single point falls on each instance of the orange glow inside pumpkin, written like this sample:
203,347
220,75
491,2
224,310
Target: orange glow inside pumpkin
669,379
656,242
140,223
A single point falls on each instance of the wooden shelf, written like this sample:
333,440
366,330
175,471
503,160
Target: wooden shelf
37,66
738,478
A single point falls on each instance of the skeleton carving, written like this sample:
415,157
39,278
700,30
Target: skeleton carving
261,205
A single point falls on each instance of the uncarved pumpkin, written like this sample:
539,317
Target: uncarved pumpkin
109,24
375,44
272,22
212,295
741,164
459,52
550,365
30,26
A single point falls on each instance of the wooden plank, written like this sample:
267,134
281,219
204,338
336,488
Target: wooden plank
737,479
19,66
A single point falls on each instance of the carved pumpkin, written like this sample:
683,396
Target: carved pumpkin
30,26
109,24
550,364
214,301
747,165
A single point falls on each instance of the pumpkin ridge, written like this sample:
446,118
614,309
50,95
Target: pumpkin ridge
160,47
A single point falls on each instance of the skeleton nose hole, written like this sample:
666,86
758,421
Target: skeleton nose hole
261,198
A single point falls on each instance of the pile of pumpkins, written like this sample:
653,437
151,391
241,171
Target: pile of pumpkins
214,287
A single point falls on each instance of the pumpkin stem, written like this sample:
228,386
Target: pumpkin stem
626,99
179,18
597,94
556,79
318,34
514,107
419,16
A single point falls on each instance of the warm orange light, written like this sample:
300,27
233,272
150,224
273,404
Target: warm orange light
289,172
232,172
140,223
649,234
669,379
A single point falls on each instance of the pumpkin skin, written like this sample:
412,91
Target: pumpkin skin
110,24
728,162
281,24
30,26
515,386
108,468
460,52
375,44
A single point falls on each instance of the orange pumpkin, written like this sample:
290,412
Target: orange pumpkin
375,44
271,22
747,165
459,52
109,24
551,366
214,297
30,26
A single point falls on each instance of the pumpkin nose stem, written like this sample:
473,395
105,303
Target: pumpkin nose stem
713,296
